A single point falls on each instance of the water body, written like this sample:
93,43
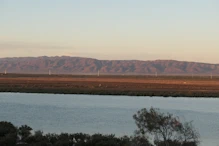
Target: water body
104,114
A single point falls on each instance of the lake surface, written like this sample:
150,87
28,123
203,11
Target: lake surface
105,114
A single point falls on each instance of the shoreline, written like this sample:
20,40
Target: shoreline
176,95
130,95
105,85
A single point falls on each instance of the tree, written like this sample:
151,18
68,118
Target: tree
8,134
52,138
165,129
38,139
188,134
140,140
24,132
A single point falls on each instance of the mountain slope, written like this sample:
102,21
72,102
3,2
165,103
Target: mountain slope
77,65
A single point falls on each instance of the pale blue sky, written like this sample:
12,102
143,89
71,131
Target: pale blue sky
111,29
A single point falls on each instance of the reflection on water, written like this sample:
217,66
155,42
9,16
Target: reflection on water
104,114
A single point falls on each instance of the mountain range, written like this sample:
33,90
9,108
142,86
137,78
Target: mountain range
79,65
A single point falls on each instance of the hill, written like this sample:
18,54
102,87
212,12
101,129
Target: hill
78,65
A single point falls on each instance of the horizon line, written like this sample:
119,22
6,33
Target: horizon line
110,59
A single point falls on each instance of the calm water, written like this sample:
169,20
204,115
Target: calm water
104,114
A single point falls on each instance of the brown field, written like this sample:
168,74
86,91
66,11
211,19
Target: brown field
175,86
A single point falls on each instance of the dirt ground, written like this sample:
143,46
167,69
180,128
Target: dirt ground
175,86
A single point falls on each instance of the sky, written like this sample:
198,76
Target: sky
111,29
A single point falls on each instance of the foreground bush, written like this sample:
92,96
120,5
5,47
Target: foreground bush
8,134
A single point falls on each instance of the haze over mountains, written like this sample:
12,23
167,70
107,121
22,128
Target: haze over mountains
78,65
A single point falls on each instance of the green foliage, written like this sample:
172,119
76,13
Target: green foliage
8,134
165,129
140,140
24,132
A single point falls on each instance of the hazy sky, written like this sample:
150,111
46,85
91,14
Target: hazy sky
111,29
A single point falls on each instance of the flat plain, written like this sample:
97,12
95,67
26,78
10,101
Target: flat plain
166,86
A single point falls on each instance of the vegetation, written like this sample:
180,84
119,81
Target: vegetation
165,129
174,86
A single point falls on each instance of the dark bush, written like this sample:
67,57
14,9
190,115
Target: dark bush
8,134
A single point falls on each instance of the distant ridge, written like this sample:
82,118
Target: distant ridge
79,65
